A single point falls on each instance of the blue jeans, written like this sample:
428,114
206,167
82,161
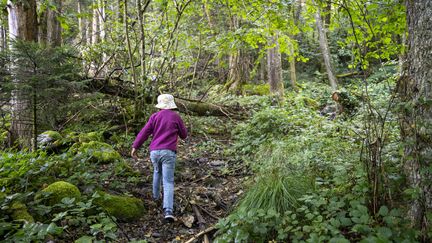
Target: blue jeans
163,171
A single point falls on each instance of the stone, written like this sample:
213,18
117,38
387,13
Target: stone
60,190
122,207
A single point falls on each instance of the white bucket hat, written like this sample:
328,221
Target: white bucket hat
166,102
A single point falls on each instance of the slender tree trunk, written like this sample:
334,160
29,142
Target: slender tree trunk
95,37
131,58
22,26
415,89
325,49
292,62
53,25
141,11
81,22
274,65
263,70
3,39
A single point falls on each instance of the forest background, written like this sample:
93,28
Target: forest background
321,108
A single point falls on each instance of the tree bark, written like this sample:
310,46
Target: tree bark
3,39
81,22
95,37
274,65
53,28
325,49
415,90
22,26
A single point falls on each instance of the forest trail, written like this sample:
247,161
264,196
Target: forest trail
208,183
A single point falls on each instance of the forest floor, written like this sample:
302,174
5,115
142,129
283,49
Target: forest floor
207,185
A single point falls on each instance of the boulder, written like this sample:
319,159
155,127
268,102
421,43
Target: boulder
60,190
49,139
122,207
19,212
98,152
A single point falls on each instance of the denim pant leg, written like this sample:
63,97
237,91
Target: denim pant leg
163,170
168,167
157,173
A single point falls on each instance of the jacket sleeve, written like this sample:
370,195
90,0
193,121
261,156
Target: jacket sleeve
144,134
182,129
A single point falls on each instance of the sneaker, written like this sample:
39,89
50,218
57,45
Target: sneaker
169,217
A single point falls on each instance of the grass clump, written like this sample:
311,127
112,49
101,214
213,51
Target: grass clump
276,191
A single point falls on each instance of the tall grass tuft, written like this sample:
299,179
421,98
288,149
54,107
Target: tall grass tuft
276,191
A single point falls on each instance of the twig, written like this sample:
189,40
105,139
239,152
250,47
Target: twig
200,234
207,212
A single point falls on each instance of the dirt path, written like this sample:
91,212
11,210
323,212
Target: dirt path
208,182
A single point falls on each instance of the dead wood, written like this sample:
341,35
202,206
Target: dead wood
118,87
196,237
201,222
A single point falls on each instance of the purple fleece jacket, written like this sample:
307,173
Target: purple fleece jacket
165,126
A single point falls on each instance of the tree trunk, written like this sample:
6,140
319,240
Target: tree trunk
3,39
95,37
53,25
22,26
292,67
325,49
274,66
81,22
415,90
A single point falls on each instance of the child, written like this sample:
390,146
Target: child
165,125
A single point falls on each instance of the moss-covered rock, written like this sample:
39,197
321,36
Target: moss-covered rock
122,207
19,212
60,190
91,136
49,139
98,152
255,89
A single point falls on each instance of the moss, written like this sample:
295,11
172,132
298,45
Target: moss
19,212
53,134
50,139
91,136
100,152
122,207
60,190
255,89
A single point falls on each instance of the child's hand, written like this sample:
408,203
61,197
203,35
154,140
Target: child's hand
134,154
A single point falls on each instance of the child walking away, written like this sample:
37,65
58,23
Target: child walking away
165,126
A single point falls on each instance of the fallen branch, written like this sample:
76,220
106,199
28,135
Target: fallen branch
201,221
197,236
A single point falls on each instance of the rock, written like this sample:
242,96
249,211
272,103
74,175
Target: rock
91,136
122,207
49,139
217,163
98,152
60,190
19,212
188,220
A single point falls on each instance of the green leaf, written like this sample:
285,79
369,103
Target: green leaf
383,211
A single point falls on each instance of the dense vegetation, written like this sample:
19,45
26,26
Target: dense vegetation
308,120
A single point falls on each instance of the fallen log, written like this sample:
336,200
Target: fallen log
116,87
